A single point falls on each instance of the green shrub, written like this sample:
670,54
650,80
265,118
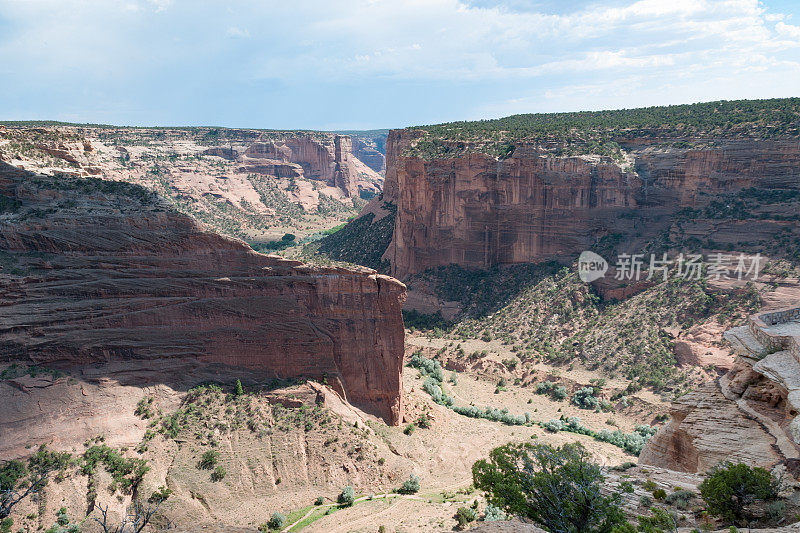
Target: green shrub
218,474
729,489
276,521
585,399
680,498
424,421
208,460
427,367
775,511
660,520
659,494
347,497
492,513
465,515
557,488
559,393
320,500
627,465
410,486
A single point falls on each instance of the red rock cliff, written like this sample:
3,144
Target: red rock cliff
95,270
478,211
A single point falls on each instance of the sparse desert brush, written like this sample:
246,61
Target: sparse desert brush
218,474
208,460
410,486
347,497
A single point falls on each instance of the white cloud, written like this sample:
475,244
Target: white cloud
235,31
486,56
788,30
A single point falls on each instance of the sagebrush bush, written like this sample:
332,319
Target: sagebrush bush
347,497
585,399
410,486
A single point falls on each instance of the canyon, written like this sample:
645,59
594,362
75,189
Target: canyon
97,272
252,184
136,313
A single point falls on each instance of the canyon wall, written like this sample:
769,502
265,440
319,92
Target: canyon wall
478,211
329,159
95,272
370,155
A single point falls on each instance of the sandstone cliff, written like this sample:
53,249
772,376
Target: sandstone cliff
370,154
536,203
328,159
96,271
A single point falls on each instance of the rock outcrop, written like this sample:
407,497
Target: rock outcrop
97,271
750,414
328,159
478,211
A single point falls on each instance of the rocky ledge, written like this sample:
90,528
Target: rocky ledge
750,414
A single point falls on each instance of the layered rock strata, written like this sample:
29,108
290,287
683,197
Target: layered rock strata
750,414
478,211
329,160
96,271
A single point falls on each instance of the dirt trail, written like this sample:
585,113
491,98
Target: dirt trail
350,524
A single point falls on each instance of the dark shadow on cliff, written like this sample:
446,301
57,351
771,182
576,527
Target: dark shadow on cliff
104,280
477,292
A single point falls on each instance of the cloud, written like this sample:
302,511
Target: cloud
235,31
447,58
788,30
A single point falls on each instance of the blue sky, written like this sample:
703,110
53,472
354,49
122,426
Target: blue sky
329,64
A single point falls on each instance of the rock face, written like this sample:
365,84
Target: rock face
750,414
329,160
369,155
96,271
478,211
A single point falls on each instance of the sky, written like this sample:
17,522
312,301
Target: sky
366,64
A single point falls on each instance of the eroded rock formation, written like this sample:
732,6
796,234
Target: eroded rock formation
327,159
750,414
370,155
478,211
97,271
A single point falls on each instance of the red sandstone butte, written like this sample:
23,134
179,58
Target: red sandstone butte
95,271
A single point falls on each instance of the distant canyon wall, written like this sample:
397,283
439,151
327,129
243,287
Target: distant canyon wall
96,271
326,158
477,211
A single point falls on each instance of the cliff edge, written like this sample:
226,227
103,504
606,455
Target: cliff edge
95,272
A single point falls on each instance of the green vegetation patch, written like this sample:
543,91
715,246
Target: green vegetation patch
598,131
362,241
